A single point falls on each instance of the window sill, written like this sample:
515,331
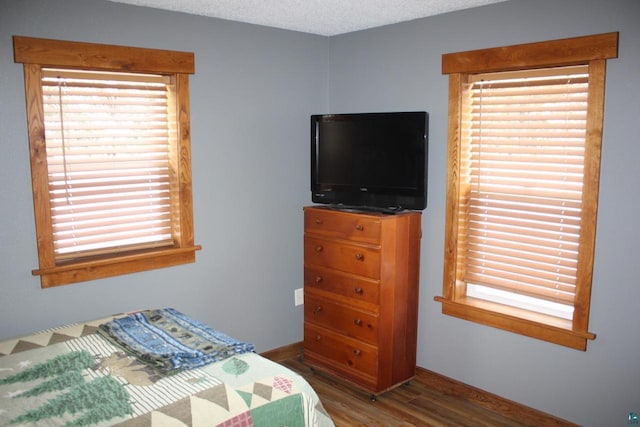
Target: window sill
543,327
85,270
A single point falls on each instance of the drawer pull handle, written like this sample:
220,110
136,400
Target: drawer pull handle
359,256
318,337
358,322
319,248
318,221
319,280
358,291
357,352
359,227
318,309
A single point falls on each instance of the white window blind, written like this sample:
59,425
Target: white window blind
107,138
524,170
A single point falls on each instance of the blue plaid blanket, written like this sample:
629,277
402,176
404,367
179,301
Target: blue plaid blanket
171,341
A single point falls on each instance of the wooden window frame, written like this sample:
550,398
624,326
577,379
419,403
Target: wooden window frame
588,50
36,54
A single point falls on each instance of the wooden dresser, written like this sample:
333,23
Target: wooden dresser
361,295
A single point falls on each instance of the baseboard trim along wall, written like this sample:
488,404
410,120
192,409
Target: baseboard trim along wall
522,414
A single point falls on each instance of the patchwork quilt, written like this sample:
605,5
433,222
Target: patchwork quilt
74,376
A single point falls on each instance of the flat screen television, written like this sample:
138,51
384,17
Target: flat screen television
370,161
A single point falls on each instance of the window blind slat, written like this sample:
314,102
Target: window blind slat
98,76
560,257
107,200
526,176
118,183
528,202
557,142
494,94
491,220
532,132
515,283
87,234
521,205
495,162
506,187
530,277
498,243
548,74
539,237
106,162
126,242
68,217
78,131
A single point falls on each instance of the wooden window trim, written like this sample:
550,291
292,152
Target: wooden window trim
36,54
555,53
92,56
593,51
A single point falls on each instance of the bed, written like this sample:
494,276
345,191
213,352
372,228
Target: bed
110,371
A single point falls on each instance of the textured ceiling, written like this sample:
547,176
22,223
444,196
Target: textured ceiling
324,17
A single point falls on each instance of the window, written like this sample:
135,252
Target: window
110,158
525,129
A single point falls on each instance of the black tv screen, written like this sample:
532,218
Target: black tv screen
370,160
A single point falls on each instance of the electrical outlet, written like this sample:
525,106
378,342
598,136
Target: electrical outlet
298,296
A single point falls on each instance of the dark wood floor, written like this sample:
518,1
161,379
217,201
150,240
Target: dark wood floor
427,400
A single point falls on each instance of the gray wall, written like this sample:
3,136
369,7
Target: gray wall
399,67
251,181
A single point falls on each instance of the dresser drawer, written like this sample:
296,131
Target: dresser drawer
346,353
356,227
356,259
359,289
341,318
